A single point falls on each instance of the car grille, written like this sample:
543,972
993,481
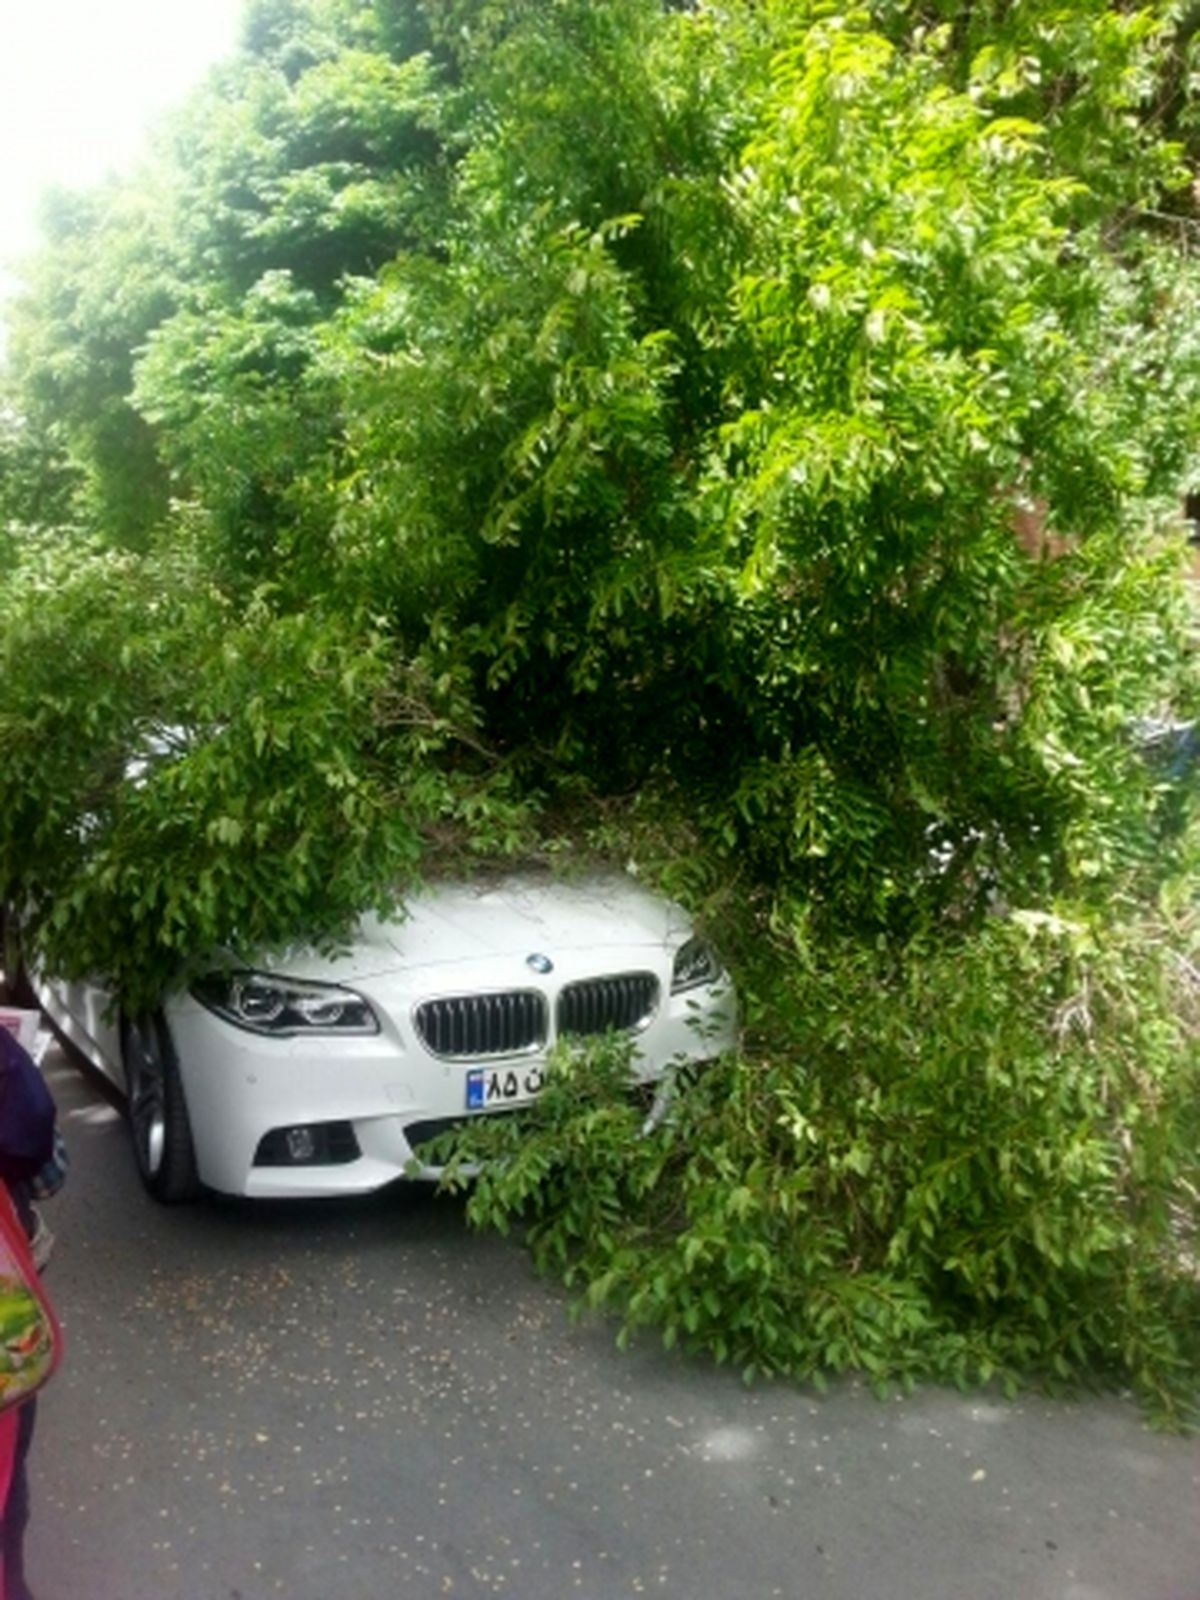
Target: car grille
463,1026
624,1001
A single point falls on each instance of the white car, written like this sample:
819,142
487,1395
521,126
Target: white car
306,1075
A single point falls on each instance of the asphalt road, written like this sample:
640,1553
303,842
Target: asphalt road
361,1401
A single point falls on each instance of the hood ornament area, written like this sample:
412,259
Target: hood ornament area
539,963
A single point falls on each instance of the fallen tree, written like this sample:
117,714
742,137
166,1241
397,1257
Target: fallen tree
750,442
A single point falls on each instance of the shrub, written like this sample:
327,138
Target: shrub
962,1160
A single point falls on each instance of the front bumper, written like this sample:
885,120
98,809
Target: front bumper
241,1087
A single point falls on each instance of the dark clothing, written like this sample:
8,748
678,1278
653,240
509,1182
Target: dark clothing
26,1114
26,1146
16,1509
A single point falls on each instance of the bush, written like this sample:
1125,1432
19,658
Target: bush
959,1161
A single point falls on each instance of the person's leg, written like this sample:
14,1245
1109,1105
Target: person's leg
9,1425
16,1507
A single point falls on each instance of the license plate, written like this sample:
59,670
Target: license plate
501,1086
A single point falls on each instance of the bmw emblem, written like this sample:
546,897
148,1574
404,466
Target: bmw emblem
539,963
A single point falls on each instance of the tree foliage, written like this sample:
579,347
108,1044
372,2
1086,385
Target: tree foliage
747,439
966,1198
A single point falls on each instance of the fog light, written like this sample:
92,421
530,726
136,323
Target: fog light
301,1144
313,1144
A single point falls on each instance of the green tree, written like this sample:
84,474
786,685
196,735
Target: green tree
750,440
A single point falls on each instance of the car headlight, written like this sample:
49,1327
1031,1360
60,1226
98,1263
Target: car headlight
284,1007
696,963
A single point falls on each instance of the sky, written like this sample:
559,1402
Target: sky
80,83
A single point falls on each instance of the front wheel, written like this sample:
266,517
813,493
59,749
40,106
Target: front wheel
158,1118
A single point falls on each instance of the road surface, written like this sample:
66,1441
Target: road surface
361,1401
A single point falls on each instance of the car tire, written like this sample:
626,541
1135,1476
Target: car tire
157,1110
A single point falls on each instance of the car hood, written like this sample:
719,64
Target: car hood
448,923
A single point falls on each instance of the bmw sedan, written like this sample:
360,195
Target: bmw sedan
307,1075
